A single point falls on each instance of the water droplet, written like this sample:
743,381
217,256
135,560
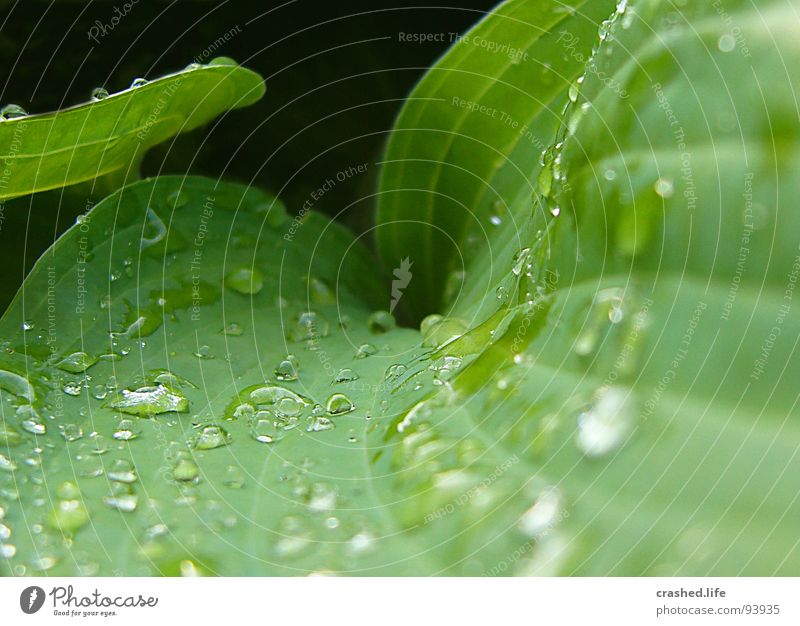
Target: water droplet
361,542
99,93
126,430
542,517
154,230
204,352
149,401
264,430
339,404
138,82
288,369
6,464
345,375
186,471
122,471
365,350
319,423
210,436
69,515
726,43
555,211
17,385
70,432
9,437
233,330
124,502
32,422
320,292
233,477
273,394
322,498
441,331
12,111
605,425
246,281
381,322
73,388
393,372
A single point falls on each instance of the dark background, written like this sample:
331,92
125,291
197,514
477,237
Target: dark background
336,75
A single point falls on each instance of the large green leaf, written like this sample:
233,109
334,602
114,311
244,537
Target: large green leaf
469,137
112,133
622,403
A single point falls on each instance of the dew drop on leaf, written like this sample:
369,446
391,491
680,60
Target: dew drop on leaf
307,326
124,502
70,432
380,322
233,330
99,93
338,404
246,281
186,471
345,375
149,401
210,436
122,471
287,370
603,427
365,350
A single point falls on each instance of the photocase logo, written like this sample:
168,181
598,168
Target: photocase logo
403,277
31,599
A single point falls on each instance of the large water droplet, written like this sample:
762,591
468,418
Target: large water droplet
287,369
12,111
210,436
149,401
339,404
99,93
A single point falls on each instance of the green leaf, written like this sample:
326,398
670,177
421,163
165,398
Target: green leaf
469,137
617,396
112,133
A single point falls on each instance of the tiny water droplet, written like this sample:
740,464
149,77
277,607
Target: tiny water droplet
122,471
70,432
77,362
233,330
664,187
345,375
380,322
288,369
126,430
138,82
210,436
726,43
233,477
246,281
125,502
307,326
339,404
99,93
186,471
604,426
